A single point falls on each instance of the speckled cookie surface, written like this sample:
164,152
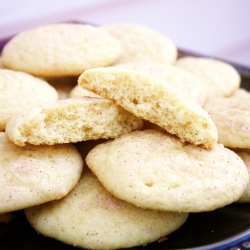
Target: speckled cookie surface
231,117
71,120
154,170
19,91
184,82
60,50
140,43
33,175
149,98
102,221
220,78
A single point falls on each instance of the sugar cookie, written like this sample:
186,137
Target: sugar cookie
185,82
102,221
154,170
33,175
140,43
220,78
58,50
231,117
71,120
150,98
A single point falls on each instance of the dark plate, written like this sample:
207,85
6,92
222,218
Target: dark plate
224,228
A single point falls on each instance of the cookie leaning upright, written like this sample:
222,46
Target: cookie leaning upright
60,50
185,82
150,98
140,43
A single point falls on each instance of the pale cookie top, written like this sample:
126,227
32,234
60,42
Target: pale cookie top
140,43
245,156
150,98
220,78
33,175
231,117
184,82
60,50
71,120
19,91
154,170
91,218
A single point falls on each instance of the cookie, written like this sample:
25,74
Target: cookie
78,91
245,156
185,82
20,91
33,175
220,78
58,50
149,98
140,43
154,170
231,117
102,221
71,120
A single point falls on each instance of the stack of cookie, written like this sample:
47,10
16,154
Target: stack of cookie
109,140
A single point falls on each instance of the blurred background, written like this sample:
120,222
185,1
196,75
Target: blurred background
219,28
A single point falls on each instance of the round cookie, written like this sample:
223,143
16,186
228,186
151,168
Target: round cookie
154,170
220,78
231,117
182,80
245,156
140,43
58,50
102,221
20,91
78,91
150,98
33,175
71,120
